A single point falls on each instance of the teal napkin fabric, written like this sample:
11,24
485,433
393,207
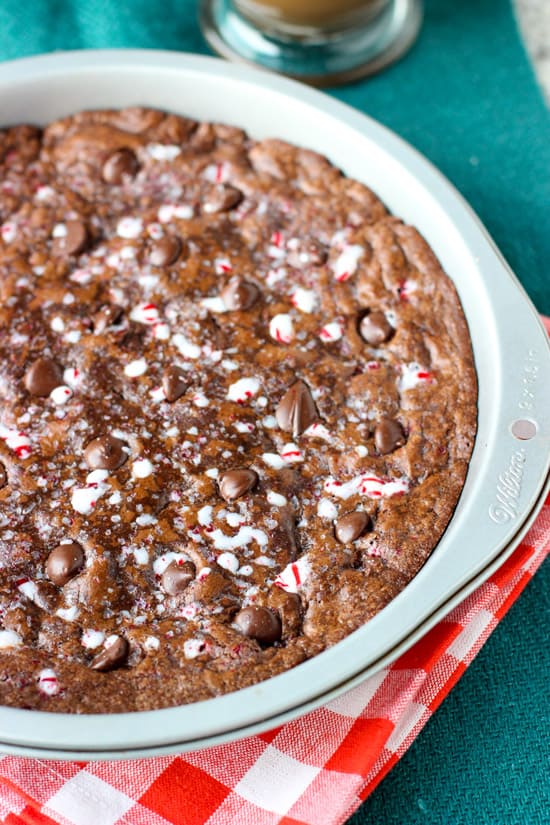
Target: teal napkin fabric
466,97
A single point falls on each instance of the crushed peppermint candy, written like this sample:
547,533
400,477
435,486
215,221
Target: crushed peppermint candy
142,467
294,576
91,639
162,151
145,314
281,328
243,390
47,682
129,227
244,536
136,368
347,262
304,299
186,347
72,377
291,454
8,231
222,266
168,211
368,485
327,509
84,499
9,638
60,395
229,562
413,375
276,499
193,648
331,332
17,441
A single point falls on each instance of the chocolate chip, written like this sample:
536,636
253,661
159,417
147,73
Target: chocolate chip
351,526
388,435
120,165
43,376
165,251
236,483
64,562
174,383
374,328
3,476
259,623
73,242
107,316
105,453
221,198
239,294
296,410
176,577
113,654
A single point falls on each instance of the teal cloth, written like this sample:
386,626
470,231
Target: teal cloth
466,97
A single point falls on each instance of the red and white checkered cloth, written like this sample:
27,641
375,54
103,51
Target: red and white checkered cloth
316,769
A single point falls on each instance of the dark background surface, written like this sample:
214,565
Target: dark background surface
466,97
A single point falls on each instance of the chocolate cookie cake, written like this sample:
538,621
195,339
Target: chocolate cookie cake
237,405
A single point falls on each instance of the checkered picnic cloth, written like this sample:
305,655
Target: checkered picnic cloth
317,769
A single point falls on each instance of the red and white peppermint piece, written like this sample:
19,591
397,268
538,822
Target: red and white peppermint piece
84,499
203,573
145,314
136,368
304,299
327,509
8,231
44,193
331,332
91,639
155,231
276,499
244,426
81,276
413,375
245,536
366,485
222,266
9,638
60,395
216,172
27,588
72,377
17,441
161,331
193,648
187,348
168,211
228,561
243,390
163,151
281,328
294,576
346,263
200,400
317,430
129,227
47,682
291,454
157,394
275,275
405,289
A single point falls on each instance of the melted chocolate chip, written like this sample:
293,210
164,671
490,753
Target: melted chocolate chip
296,410
3,476
374,328
177,577
388,435
350,527
259,623
113,655
174,383
43,376
165,251
237,483
239,294
64,562
120,165
105,453
73,242
221,198
107,316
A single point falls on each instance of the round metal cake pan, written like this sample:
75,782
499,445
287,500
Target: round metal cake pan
507,476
